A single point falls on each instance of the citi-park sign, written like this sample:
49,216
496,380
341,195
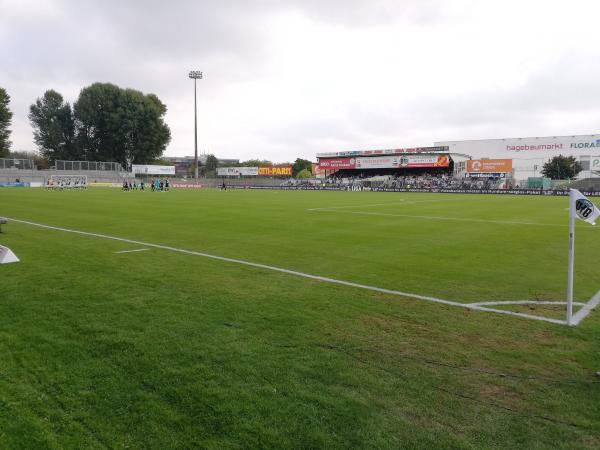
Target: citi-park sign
275,171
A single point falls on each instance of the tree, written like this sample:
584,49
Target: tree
561,168
306,173
256,163
5,122
300,165
211,163
53,129
122,125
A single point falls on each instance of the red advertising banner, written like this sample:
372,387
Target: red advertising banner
337,163
275,171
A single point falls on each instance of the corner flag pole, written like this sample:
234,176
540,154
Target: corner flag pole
571,256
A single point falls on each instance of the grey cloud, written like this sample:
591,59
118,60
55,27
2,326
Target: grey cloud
150,45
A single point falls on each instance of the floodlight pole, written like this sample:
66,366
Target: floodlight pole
195,75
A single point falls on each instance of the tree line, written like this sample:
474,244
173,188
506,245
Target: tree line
106,123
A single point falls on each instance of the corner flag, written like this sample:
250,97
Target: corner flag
581,207
7,256
585,209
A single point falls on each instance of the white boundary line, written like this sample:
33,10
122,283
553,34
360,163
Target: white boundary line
460,219
402,201
313,277
583,312
132,251
525,302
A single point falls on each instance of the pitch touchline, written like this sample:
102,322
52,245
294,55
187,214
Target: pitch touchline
476,307
461,219
400,202
132,251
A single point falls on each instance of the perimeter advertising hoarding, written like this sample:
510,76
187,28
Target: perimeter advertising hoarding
489,165
237,171
275,171
402,161
139,169
337,163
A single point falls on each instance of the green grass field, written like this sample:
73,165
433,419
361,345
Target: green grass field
162,349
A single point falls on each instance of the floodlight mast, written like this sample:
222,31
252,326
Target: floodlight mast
195,75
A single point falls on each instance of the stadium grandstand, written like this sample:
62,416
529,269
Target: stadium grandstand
395,162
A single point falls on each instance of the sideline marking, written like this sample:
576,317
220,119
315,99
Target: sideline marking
400,202
588,307
579,316
525,302
461,219
132,251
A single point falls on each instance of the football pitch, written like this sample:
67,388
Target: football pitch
295,319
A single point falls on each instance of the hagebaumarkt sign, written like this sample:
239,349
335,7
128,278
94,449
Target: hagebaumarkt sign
529,147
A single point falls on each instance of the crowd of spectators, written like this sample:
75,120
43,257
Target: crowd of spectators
342,183
443,181
413,181
67,182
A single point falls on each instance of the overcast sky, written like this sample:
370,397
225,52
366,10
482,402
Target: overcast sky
290,78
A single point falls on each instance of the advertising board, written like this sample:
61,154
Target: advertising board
237,171
337,163
403,161
275,171
142,169
489,165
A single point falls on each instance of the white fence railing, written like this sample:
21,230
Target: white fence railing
15,163
98,166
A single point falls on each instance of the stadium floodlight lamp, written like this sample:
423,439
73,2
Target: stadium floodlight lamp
195,75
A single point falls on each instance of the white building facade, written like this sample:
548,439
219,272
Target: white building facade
530,153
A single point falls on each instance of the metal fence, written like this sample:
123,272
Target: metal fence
12,163
89,165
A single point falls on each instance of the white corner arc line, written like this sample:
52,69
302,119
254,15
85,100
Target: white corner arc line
296,273
401,201
524,302
132,251
460,219
587,308
513,313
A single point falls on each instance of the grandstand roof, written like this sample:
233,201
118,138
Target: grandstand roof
395,151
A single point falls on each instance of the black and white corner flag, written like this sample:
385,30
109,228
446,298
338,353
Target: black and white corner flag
584,208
